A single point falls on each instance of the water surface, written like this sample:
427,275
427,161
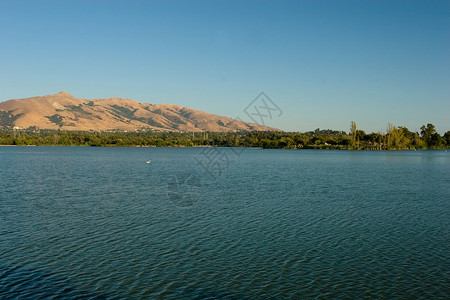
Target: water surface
84,222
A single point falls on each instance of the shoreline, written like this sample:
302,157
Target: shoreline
208,146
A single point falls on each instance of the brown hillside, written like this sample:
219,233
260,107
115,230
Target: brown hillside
66,112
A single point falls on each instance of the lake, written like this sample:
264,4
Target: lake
223,223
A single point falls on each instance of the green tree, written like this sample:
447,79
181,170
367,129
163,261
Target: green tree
447,138
427,132
353,132
397,136
431,137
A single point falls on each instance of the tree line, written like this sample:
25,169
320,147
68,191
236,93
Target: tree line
395,138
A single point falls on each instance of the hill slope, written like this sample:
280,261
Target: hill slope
66,112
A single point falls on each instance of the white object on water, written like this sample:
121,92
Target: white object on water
148,161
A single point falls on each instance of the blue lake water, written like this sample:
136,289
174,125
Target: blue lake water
218,223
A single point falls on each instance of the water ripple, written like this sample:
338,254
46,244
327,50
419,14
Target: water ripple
97,224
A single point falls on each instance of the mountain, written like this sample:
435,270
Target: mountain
66,112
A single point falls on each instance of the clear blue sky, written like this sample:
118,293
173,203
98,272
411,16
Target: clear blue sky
324,63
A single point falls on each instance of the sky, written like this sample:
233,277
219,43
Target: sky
322,63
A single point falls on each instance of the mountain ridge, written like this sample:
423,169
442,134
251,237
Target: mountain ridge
67,112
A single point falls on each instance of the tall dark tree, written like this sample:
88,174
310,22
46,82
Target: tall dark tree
430,136
447,138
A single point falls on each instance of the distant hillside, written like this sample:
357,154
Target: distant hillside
66,112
